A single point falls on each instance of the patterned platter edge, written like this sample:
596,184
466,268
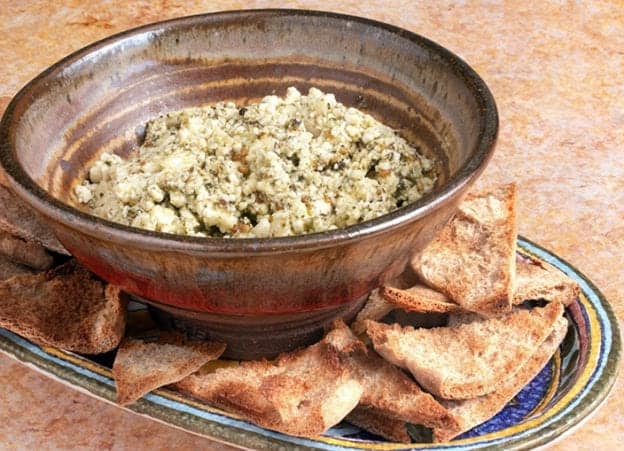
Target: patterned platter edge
582,398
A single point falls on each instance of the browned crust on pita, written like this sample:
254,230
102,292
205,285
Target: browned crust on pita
380,424
19,220
466,360
419,299
387,388
26,253
536,279
66,307
376,307
142,366
472,412
472,259
301,393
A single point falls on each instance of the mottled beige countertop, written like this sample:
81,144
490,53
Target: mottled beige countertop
556,69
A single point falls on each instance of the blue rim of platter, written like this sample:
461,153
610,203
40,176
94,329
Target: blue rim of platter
573,384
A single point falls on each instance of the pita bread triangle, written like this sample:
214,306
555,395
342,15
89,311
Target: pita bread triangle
468,359
472,412
472,259
142,366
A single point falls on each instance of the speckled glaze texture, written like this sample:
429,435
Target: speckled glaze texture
555,69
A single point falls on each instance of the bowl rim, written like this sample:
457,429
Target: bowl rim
26,188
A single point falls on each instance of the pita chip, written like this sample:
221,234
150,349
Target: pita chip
19,220
469,359
419,299
472,259
472,412
301,393
66,307
28,253
379,423
375,308
386,388
142,366
539,280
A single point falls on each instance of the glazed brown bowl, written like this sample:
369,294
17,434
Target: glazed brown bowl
99,98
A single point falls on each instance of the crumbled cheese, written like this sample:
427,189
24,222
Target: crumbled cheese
282,166
83,193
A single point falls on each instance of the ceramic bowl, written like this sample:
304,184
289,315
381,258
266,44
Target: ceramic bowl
276,291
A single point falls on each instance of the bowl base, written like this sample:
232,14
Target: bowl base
250,337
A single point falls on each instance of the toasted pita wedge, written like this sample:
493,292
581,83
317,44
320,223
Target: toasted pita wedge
378,423
142,366
539,280
472,260
19,220
376,307
9,269
301,393
66,307
472,412
467,360
387,389
419,299
26,253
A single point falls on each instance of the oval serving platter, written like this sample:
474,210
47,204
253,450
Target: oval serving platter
571,386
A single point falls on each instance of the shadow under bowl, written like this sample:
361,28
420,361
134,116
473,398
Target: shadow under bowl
99,98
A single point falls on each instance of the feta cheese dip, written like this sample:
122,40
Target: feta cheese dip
282,166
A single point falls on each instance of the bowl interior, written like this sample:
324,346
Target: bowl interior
99,99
